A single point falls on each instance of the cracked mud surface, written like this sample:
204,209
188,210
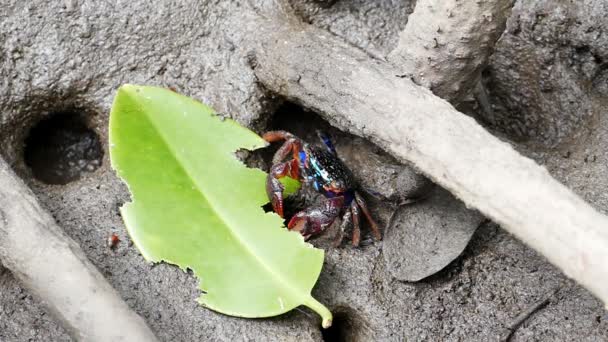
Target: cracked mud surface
75,54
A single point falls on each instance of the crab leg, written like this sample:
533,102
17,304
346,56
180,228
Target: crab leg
274,136
346,220
292,144
283,152
280,169
291,140
327,142
274,188
375,230
354,208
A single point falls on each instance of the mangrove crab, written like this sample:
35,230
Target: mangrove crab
320,168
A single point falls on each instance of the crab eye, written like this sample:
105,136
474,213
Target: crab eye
338,185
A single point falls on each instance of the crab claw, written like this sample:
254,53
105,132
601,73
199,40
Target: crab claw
274,190
315,220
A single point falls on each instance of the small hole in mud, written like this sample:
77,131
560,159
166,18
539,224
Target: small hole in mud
341,330
60,148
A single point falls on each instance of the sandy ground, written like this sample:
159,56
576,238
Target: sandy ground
71,56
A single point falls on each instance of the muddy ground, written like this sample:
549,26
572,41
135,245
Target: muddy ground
65,60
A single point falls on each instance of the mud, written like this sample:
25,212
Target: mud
371,25
75,54
548,76
422,238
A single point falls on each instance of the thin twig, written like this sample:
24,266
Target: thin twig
522,317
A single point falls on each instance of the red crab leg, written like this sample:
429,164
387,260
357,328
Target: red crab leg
274,188
292,144
274,136
346,220
280,169
354,208
283,152
368,216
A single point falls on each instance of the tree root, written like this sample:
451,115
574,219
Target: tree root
54,268
366,97
446,43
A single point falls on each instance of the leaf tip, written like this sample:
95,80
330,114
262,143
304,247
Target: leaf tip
319,308
128,87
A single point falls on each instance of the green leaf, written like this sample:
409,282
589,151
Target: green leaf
196,206
291,185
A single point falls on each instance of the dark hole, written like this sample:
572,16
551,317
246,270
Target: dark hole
304,123
292,205
60,148
267,207
326,3
341,329
582,49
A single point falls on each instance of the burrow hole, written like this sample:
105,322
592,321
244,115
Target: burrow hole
346,327
61,147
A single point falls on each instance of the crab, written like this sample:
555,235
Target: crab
320,168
